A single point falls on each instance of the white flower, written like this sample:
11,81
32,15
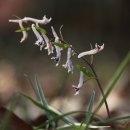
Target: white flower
20,22
55,34
49,46
58,55
93,51
25,34
43,21
39,41
58,49
68,63
81,81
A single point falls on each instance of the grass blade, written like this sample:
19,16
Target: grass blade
40,91
78,126
115,119
48,109
32,85
90,106
114,80
68,114
89,114
43,100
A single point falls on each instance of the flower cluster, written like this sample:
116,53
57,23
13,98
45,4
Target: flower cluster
56,46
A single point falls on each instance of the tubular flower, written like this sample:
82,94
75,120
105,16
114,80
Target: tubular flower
68,63
93,51
25,34
20,22
55,34
81,81
44,21
49,46
57,48
39,41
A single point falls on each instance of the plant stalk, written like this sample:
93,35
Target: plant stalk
94,72
97,80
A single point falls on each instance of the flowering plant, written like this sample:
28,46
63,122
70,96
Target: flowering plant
55,44
58,45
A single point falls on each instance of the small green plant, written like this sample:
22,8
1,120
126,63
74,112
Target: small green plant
56,44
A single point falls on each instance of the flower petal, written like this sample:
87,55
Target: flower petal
93,51
57,48
58,55
49,46
55,34
81,81
25,34
39,41
43,21
69,64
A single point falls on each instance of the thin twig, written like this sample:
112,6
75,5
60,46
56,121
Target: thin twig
95,74
97,80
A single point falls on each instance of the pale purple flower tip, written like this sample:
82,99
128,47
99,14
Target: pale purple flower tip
55,34
58,55
93,51
43,21
69,64
39,41
81,81
57,48
49,46
25,34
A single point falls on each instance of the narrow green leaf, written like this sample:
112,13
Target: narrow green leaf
23,29
37,103
59,117
90,106
85,71
113,119
32,86
78,126
48,109
40,91
114,80
61,45
41,29
68,114
43,99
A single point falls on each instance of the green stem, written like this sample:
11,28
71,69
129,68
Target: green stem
97,80
79,127
92,68
114,80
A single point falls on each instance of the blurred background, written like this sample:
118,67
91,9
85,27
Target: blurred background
85,22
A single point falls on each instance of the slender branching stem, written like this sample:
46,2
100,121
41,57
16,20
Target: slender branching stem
94,72
96,78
